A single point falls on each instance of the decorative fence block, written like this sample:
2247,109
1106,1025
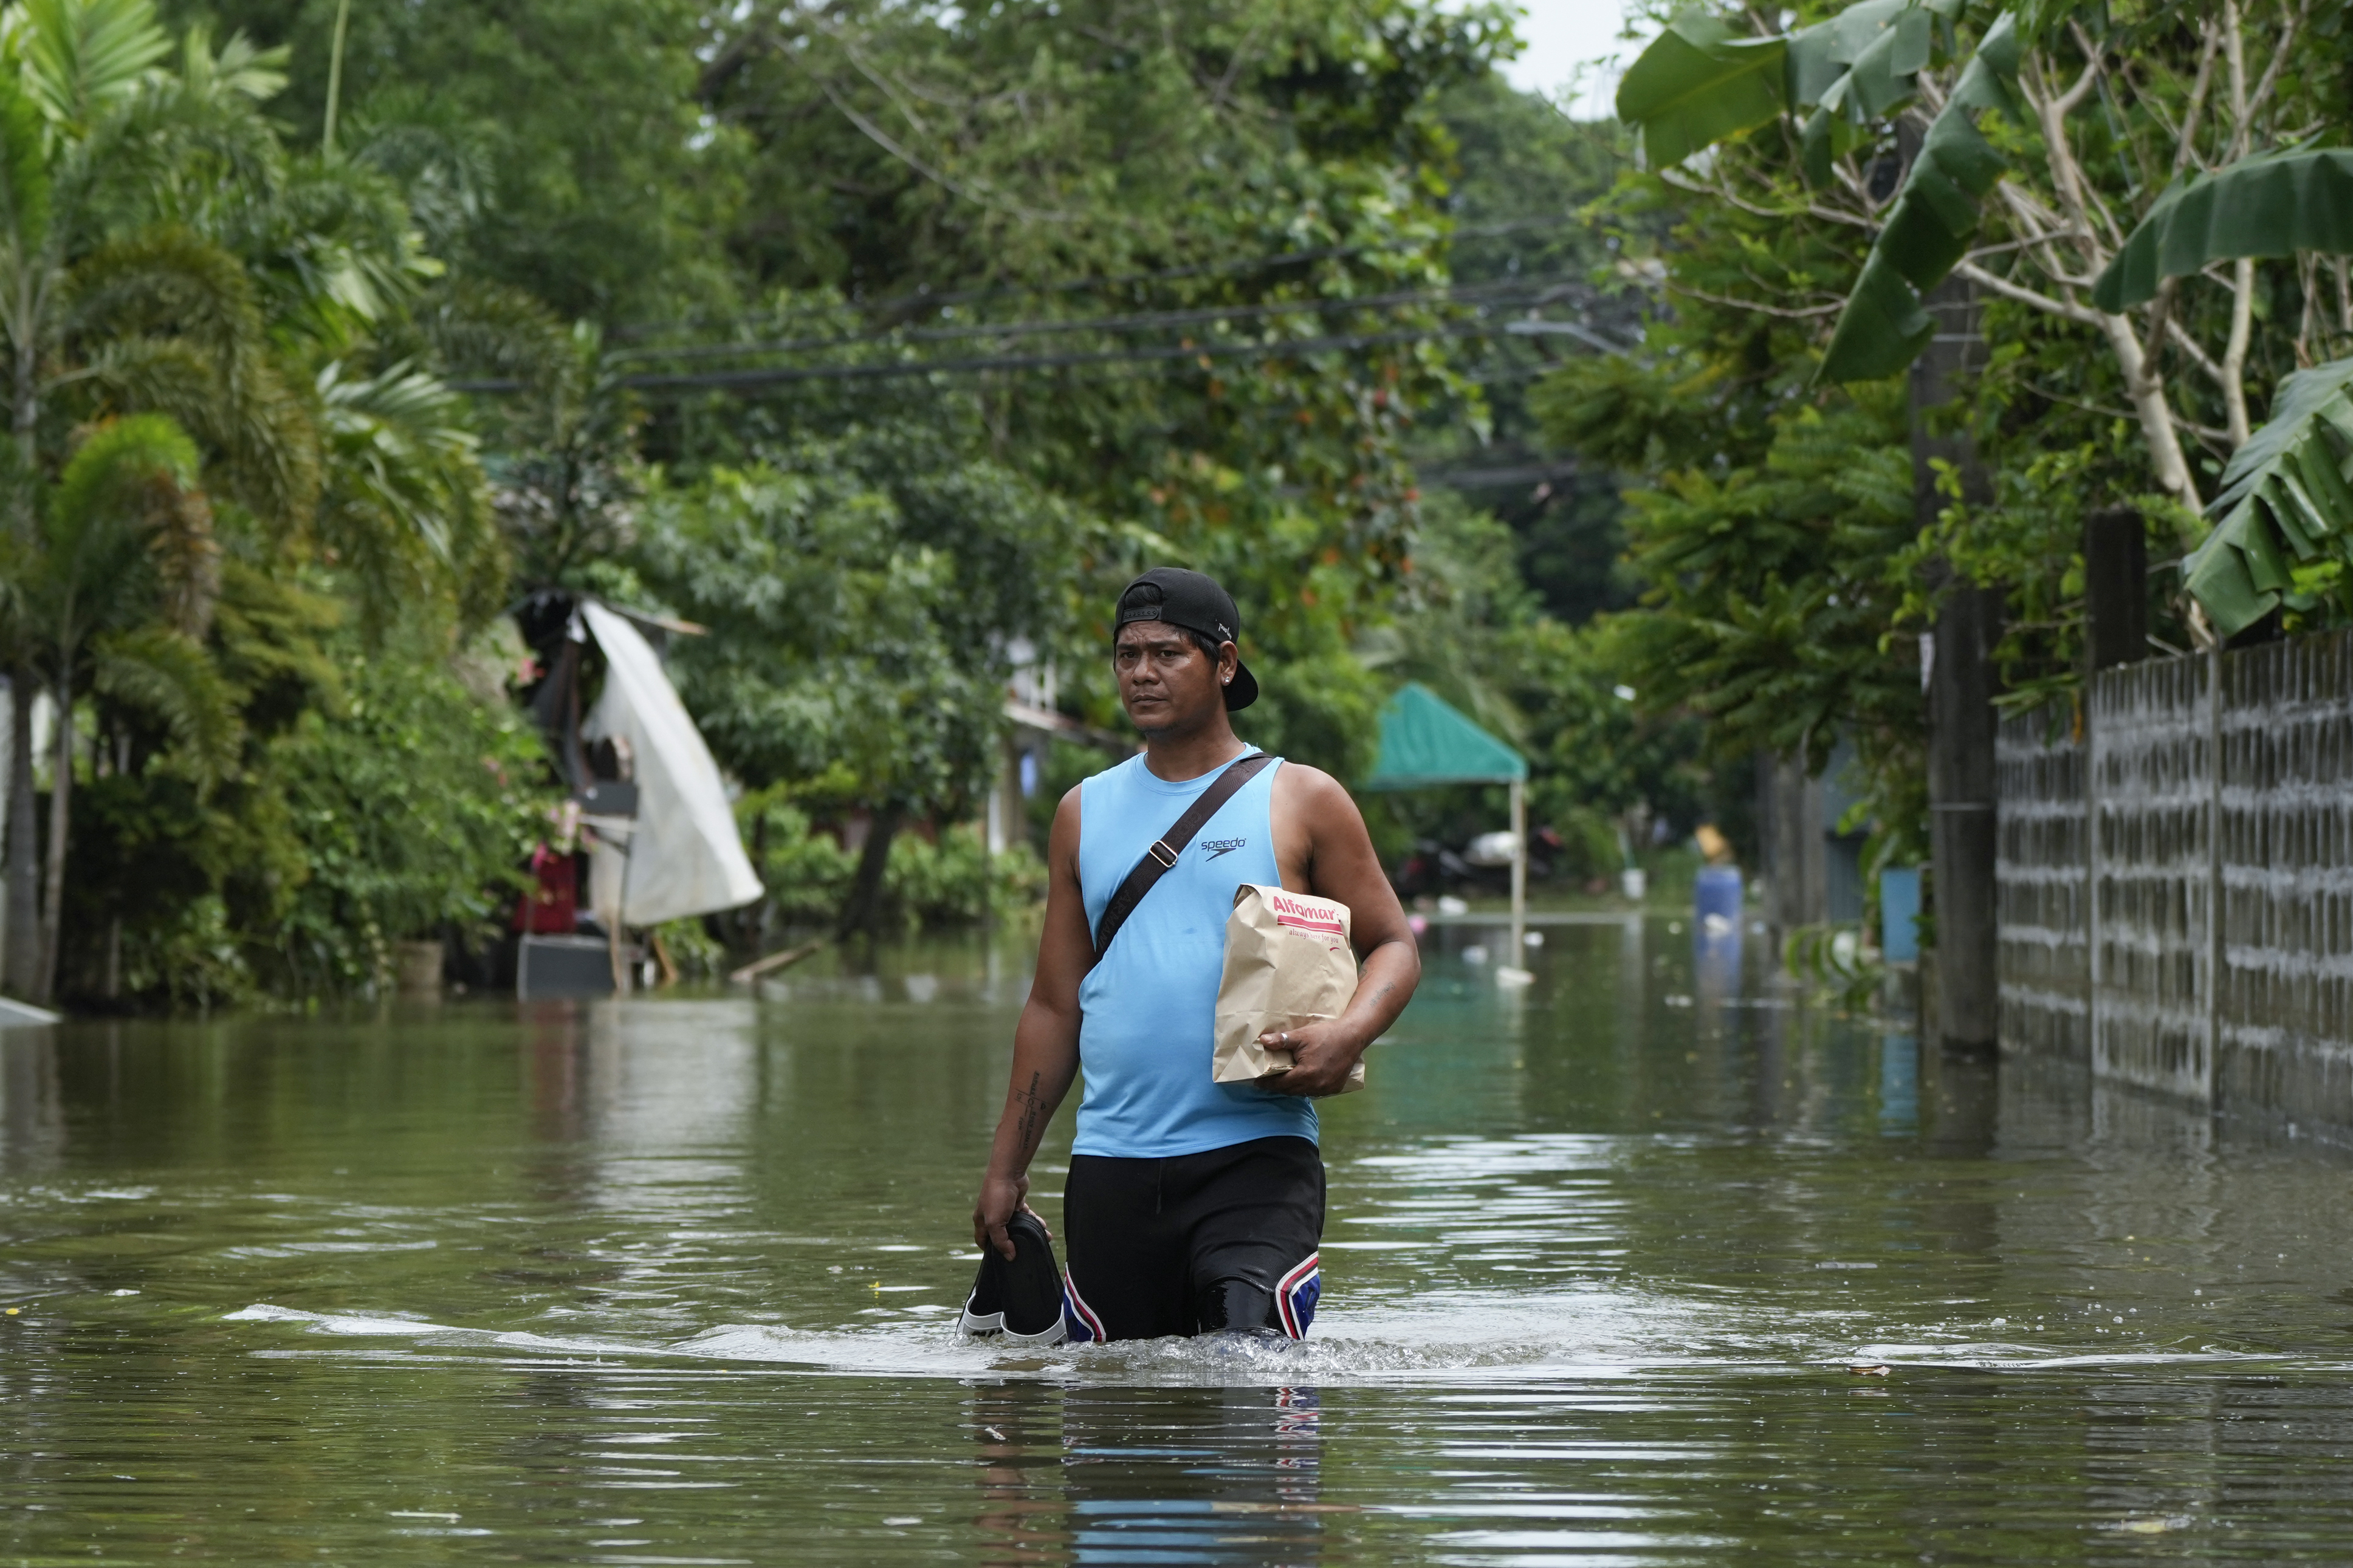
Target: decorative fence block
2151,788
2042,930
2176,882
2285,1014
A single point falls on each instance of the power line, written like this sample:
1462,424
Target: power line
749,379
1504,292
1499,479
926,299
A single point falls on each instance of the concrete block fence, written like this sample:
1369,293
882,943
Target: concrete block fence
2174,880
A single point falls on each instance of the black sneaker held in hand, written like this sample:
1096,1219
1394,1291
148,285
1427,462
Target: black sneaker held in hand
1021,1300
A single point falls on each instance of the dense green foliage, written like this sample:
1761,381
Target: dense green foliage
882,345
861,599
1473,632
229,483
417,804
1774,516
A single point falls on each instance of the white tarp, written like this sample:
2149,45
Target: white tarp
684,857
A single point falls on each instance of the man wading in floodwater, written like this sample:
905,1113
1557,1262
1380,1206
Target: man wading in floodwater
1192,1206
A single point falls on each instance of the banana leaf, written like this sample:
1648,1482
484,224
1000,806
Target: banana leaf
1884,327
1698,84
2284,500
2272,203
1866,54
1856,65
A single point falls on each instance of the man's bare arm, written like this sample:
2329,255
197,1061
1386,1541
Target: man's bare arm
1046,1041
1341,865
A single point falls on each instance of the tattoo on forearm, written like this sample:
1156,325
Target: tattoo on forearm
1033,1114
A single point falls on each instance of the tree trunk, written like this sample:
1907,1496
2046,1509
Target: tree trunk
21,963
25,420
2145,385
1789,842
861,912
1961,684
53,897
751,921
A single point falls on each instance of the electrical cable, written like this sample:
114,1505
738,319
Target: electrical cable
779,375
1496,293
924,297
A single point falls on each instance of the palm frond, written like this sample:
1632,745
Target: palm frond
187,557
271,632
241,68
169,674
168,375
261,430
174,327
167,154
405,506
435,152
334,251
114,464
79,55
165,281
95,569
25,184
479,328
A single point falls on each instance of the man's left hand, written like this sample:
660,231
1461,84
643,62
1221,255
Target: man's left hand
1321,1056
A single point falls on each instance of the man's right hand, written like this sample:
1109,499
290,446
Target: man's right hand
1001,1199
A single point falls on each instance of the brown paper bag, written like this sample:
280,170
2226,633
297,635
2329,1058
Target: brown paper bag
1288,963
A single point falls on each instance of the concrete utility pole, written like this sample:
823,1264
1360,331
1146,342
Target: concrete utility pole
1962,685
2116,587
20,937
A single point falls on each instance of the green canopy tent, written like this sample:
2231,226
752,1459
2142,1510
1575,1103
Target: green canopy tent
1426,743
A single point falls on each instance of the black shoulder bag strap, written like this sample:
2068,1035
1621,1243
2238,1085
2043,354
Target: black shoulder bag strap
1161,858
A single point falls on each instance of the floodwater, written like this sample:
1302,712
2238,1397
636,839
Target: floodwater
1640,1264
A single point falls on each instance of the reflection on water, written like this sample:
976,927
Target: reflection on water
1118,1475
1639,1264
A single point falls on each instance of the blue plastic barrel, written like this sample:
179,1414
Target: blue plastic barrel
1899,908
1719,894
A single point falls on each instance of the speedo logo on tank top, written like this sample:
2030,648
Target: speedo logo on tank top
1308,914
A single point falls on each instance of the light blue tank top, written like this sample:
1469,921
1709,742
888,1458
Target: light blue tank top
1148,1008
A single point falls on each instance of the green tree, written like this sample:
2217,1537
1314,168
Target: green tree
1255,196
1768,521
558,142
417,804
2054,148
1524,173
214,384
119,594
148,317
863,605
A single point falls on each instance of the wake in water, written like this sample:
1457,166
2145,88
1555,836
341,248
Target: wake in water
1463,1339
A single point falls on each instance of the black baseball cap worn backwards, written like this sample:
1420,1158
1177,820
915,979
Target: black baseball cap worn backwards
1195,602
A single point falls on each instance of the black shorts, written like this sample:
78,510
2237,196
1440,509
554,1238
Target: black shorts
1194,1243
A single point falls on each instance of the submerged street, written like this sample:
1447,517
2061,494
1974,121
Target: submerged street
1640,1264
